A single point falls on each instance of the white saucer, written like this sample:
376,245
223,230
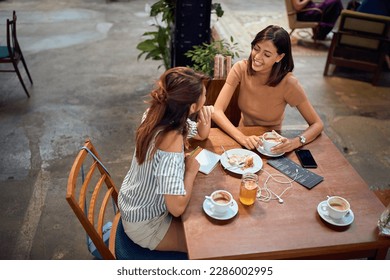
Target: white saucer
264,152
233,210
323,212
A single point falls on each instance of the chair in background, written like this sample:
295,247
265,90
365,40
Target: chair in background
293,22
12,54
232,112
360,41
89,195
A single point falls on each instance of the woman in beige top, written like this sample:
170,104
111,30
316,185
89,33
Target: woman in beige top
266,86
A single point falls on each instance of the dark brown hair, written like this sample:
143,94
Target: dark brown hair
170,104
281,40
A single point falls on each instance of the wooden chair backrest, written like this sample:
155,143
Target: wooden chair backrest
232,112
363,30
90,197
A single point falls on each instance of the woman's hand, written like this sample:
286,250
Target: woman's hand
250,142
286,145
191,165
205,113
204,122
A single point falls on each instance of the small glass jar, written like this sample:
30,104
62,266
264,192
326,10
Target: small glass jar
248,188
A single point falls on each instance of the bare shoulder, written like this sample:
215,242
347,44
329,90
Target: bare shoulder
171,141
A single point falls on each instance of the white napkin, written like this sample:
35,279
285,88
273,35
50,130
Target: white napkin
207,160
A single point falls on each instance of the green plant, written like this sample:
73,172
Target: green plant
203,55
217,9
156,45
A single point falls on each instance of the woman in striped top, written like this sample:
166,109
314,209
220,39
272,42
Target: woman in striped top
158,186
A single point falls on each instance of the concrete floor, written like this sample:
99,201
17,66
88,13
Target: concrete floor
88,83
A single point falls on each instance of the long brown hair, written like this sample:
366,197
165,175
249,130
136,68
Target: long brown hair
281,40
169,109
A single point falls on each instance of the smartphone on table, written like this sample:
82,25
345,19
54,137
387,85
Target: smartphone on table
306,158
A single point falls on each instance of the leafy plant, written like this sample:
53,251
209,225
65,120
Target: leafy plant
156,47
217,9
157,44
203,55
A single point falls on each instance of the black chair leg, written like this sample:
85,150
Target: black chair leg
25,67
21,79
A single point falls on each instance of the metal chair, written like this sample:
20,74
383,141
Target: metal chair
89,195
12,54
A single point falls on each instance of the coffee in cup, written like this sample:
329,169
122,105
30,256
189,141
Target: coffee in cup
338,207
220,200
269,140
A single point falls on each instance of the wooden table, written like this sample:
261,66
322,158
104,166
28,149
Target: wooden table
294,229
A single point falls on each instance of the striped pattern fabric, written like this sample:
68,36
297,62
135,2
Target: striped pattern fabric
141,196
192,128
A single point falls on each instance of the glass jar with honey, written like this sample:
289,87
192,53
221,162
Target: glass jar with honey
248,188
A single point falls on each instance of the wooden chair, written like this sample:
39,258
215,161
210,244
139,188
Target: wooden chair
232,112
89,195
360,41
12,54
293,21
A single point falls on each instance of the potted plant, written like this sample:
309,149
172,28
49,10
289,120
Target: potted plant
203,56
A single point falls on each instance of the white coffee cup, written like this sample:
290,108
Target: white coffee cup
220,200
338,207
269,140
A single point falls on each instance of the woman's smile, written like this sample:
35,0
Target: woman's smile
256,64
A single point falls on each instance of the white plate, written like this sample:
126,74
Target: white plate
264,152
257,161
232,211
323,212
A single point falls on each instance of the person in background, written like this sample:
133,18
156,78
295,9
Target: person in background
158,186
267,85
326,13
377,7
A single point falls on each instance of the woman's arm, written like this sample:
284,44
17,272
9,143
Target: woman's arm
299,4
219,117
204,122
315,128
176,204
316,125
